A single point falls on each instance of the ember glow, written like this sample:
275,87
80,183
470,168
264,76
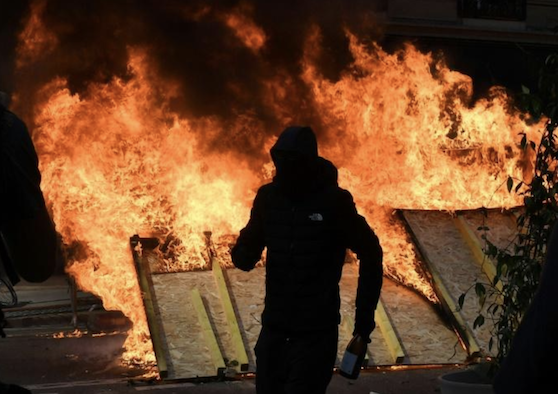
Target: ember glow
249,33
117,159
34,40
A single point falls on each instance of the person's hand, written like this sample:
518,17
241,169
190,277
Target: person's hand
367,339
364,328
365,336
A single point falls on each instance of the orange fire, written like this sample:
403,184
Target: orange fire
251,35
118,161
413,139
34,40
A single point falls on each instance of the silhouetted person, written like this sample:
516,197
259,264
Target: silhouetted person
530,364
24,221
307,223
28,238
12,389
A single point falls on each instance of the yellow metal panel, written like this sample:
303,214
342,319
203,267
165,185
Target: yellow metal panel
466,336
474,244
209,335
236,336
461,329
394,346
146,286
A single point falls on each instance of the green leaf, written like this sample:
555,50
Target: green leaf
504,269
480,290
479,321
536,106
461,300
519,263
491,250
495,280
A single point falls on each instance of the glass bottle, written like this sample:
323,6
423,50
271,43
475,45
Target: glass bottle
353,357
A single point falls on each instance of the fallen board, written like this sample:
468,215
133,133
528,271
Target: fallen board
425,339
498,227
450,244
415,326
189,355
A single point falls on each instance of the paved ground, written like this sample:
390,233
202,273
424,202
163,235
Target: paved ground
422,381
91,365
33,357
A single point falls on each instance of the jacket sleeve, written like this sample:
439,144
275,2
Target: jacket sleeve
360,238
251,242
25,224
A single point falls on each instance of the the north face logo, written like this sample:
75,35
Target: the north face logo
316,217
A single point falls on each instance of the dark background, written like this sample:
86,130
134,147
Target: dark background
219,76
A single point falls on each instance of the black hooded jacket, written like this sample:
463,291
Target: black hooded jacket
25,224
307,223
20,193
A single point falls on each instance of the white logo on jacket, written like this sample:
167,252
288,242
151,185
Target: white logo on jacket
316,217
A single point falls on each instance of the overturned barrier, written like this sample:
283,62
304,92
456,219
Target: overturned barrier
206,323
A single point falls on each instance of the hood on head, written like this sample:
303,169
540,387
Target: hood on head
295,155
296,141
327,172
4,100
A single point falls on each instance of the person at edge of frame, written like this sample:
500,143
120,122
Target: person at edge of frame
529,365
28,238
307,222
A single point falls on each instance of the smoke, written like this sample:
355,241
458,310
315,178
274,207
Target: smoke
11,19
195,45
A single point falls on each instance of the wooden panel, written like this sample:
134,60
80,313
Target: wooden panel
189,355
236,338
501,228
424,337
247,290
474,244
454,270
378,350
383,321
208,334
144,279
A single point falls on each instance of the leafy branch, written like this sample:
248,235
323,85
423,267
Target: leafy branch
519,265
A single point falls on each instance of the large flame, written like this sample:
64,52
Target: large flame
117,160
119,163
251,35
408,136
